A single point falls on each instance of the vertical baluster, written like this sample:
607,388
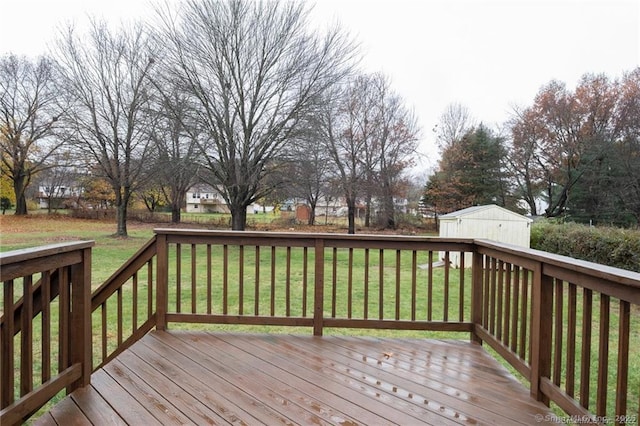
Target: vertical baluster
305,278
209,273
397,285
273,280
119,302
486,292
515,310
63,318
603,356
381,284
430,288
414,267
446,286
26,334
571,339
193,279
557,346
585,363
134,300
178,277
150,288
492,313
256,293
225,280
461,301
334,282
318,288
623,360
350,284
288,283
45,288
507,304
524,317
241,280
103,318
7,379
500,300
366,283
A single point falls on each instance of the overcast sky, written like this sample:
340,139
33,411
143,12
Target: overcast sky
488,55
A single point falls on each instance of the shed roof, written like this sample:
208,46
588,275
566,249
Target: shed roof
469,211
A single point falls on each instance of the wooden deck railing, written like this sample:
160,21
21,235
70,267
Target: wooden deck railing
46,314
566,326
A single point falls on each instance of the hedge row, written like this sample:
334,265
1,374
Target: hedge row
608,246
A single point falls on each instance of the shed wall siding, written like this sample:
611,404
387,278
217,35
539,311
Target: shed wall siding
491,223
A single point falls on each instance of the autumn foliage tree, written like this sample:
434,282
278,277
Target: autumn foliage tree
575,149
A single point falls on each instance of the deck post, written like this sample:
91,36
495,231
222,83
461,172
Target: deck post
80,341
162,283
541,331
476,295
318,305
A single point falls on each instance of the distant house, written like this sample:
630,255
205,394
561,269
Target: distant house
490,222
59,196
205,199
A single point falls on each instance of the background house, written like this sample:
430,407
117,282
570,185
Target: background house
205,199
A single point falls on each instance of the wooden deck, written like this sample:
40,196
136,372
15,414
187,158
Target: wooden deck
186,377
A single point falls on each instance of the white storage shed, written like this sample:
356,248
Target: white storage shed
490,222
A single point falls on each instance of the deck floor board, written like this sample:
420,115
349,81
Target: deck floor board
194,377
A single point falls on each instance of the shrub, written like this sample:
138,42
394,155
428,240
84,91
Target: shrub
608,246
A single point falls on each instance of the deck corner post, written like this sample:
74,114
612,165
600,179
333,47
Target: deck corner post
318,305
476,295
80,341
541,331
162,283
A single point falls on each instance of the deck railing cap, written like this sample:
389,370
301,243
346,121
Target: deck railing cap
21,255
307,235
622,276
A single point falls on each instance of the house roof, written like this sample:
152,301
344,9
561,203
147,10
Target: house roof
475,209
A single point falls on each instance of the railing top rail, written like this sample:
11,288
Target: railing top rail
309,235
596,270
21,255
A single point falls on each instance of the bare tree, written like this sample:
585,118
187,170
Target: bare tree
394,143
341,134
254,69
455,122
310,171
370,136
175,144
29,116
106,75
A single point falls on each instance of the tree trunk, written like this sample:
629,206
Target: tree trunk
122,202
351,214
312,214
19,187
389,214
175,213
367,213
238,217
